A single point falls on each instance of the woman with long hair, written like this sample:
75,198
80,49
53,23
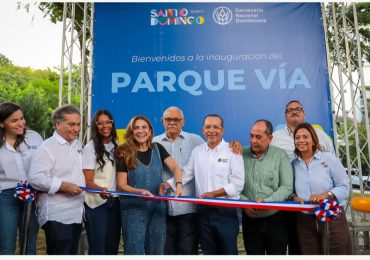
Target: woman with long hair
17,144
139,170
319,175
103,224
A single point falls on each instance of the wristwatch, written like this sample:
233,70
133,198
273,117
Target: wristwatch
331,195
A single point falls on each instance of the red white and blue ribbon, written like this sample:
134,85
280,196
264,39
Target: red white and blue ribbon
24,192
221,202
327,210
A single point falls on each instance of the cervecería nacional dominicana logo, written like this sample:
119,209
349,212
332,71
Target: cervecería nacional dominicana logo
171,16
222,15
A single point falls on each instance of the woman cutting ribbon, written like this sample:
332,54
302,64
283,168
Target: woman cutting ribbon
317,176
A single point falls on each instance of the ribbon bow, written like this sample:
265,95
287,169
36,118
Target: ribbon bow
24,192
327,210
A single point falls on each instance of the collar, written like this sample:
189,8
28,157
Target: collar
262,156
219,146
164,137
316,156
61,140
9,147
290,133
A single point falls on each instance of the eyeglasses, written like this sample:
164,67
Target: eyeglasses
104,123
294,110
175,120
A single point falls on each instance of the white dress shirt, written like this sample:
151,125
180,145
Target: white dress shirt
214,169
15,164
58,161
283,138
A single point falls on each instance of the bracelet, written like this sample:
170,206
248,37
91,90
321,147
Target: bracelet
179,182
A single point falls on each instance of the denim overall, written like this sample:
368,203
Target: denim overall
144,222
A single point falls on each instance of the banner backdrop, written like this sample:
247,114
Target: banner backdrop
244,61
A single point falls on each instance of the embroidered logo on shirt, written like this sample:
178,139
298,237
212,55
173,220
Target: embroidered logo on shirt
324,164
223,160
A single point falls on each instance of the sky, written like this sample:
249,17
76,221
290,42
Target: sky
29,39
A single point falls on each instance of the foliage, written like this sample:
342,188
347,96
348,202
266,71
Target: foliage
4,61
35,90
363,17
54,10
352,145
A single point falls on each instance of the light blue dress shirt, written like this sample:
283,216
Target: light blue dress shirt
180,150
324,173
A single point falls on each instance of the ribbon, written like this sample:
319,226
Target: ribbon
24,192
327,210
221,202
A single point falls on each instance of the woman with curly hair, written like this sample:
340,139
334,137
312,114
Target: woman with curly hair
139,170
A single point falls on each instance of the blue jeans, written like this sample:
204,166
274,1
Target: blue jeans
103,228
219,229
144,228
11,213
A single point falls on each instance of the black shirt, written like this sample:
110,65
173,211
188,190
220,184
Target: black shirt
144,157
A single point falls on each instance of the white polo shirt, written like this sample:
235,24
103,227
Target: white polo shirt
55,162
15,164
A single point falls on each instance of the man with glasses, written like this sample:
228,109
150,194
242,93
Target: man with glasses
56,170
181,226
217,172
283,138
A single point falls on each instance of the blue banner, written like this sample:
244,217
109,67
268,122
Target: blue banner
244,61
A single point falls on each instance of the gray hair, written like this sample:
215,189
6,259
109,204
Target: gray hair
58,113
174,108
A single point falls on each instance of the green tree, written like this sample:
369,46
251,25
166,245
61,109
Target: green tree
4,61
363,17
35,90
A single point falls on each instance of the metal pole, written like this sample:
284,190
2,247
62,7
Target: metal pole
325,236
60,102
23,234
335,131
70,66
90,71
83,78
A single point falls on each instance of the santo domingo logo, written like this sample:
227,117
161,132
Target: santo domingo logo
174,17
222,15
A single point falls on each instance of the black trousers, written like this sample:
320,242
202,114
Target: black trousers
293,244
181,235
268,235
62,239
